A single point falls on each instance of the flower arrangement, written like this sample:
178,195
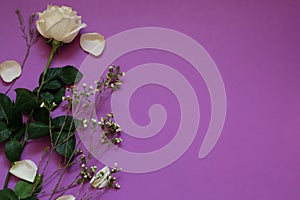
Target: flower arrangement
29,116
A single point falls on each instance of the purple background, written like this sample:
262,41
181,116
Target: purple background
256,48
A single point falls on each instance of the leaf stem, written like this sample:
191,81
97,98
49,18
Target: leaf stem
6,180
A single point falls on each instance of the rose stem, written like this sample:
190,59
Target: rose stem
55,45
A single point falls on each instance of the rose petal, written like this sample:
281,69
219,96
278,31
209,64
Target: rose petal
71,35
25,169
9,70
92,43
100,179
66,197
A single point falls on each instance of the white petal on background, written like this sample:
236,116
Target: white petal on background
66,197
24,169
92,43
9,70
100,179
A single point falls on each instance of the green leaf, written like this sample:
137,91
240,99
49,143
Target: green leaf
35,90
64,143
58,94
52,85
69,74
37,130
50,75
19,134
32,198
41,115
13,150
4,132
23,189
26,100
68,123
47,97
8,194
16,122
5,108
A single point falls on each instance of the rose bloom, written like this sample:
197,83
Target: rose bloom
59,23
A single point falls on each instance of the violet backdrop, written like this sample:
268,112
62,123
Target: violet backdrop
255,45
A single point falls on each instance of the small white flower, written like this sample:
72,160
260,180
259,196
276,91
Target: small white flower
9,70
84,121
66,197
93,43
24,169
100,180
94,120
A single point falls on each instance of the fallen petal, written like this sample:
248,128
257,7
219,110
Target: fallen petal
101,178
9,70
92,43
24,169
66,197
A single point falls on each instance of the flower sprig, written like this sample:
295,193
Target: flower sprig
39,104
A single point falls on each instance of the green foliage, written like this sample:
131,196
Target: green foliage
63,139
58,94
66,123
8,194
19,134
11,120
16,122
32,198
57,76
28,191
53,85
13,150
37,130
26,100
41,115
6,107
23,189
14,132
4,132
47,97
69,75
56,79
64,143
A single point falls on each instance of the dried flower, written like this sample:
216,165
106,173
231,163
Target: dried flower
100,180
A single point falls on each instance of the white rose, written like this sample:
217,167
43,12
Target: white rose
59,23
